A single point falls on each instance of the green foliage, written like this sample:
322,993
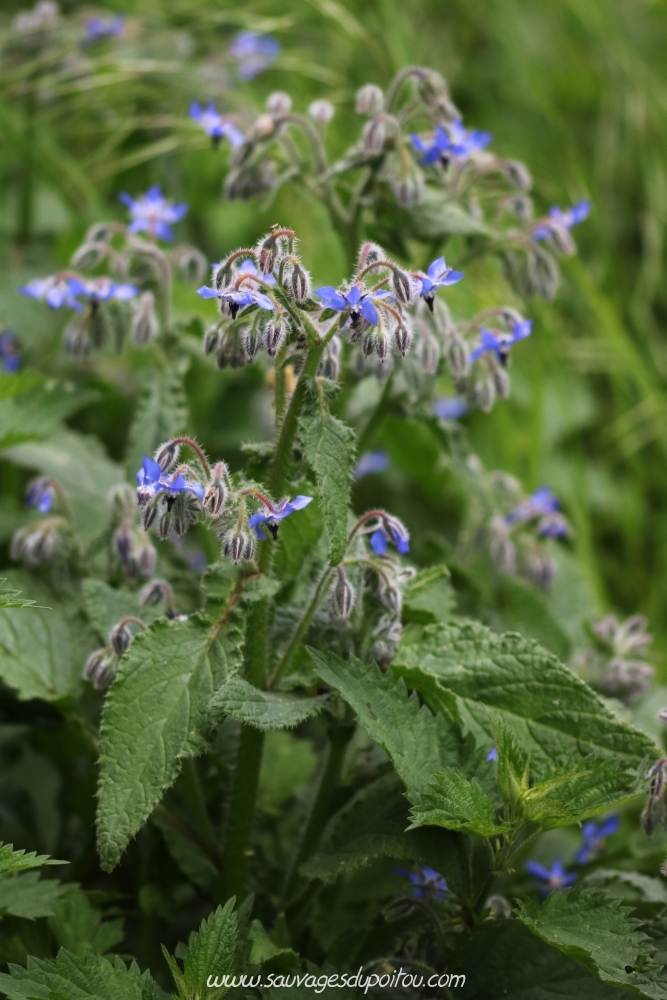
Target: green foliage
262,709
12,598
210,953
455,802
162,692
329,447
19,861
429,597
77,978
27,895
30,410
162,412
79,926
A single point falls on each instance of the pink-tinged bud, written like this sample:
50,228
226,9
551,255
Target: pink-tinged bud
278,103
342,596
369,100
217,490
166,455
299,283
266,254
402,286
321,112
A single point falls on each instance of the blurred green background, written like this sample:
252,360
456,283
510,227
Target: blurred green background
577,89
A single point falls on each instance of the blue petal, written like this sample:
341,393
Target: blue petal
432,156
263,301
207,293
195,110
256,519
452,277
353,297
298,503
378,542
163,232
331,298
538,870
403,546
417,143
369,312
436,268
610,825
152,469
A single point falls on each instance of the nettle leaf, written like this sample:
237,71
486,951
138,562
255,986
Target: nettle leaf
429,597
155,715
27,895
162,413
652,890
83,470
211,953
79,926
329,448
74,978
18,861
12,598
554,716
418,742
568,796
30,409
596,930
42,653
262,709
457,803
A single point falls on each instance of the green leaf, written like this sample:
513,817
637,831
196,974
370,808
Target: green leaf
106,605
154,716
161,414
652,890
12,598
42,654
79,926
597,931
82,469
29,411
329,448
264,950
554,716
570,795
27,895
18,861
262,709
429,597
457,803
435,217
525,610
418,742
73,978
211,953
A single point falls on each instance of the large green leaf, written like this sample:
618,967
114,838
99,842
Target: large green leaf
429,597
595,929
30,410
455,802
19,861
155,715
106,605
555,716
72,978
162,412
329,448
27,895
211,953
262,709
79,926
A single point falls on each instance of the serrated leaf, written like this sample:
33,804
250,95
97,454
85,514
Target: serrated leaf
593,787
329,448
211,953
27,895
83,470
155,715
106,605
19,861
429,597
35,411
262,709
263,949
597,931
457,803
79,926
652,890
74,978
12,598
161,413
554,716
42,653
418,742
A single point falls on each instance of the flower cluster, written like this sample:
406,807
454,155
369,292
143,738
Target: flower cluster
593,844
617,666
51,537
427,883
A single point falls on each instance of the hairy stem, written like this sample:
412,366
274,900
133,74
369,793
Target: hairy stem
306,618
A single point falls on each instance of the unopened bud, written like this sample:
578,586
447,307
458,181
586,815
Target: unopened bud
403,339
263,127
238,546
501,381
321,112
485,393
150,510
279,103
253,340
391,598
120,638
166,455
369,100
408,187
211,339
381,346
402,286
164,525
217,490
373,136
76,340
517,174
266,254
89,255
145,326
275,332
429,354
299,283
155,591
100,668
457,357
368,345
342,596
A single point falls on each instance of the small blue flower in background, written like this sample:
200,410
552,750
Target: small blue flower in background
428,883
273,517
500,343
437,276
594,837
151,480
372,461
215,124
567,219
467,141
41,495
538,504
236,300
450,409
460,142
394,532
254,53
99,27
152,213
492,754
359,303
98,290
10,359
553,878
248,266
54,291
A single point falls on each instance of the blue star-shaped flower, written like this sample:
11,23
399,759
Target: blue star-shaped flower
459,142
151,480
238,299
248,266
215,125
463,141
272,518
492,754
56,292
372,461
254,53
450,409
594,837
566,218
100,27
98,290
152,213
438,151
437,276
392,532
428,883
538,504
359,303
500,343
551,879
9,352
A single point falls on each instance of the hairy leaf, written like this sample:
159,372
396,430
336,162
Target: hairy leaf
18,861
211,952
79,926
105,606
27,895
189,856
162,412
652,890
329,448
456,803
262,709
597,930
154,716
429,597
73,978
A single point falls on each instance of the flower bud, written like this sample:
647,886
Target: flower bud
330,366
89,255
100,668
342,596
381,345
36,544
299,283
369,100
402,286
408,187
217,490
485,393
517,174
124,541
164,525
150,510
501,381
457,356
253,340
321,112
211,339
238,546
368,345
120,638
263,127
391,598
373,136
275,332
403,339
166,455
155,591
76,340
279,103
145,326
429,353
266,254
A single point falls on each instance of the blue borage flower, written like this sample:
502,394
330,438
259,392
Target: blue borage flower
542,505
551,879
459,142
238,299
254,53
492,754
248,266
151,481
41,495
371,462
437,276
100,27
358,300
216,125
10,359
427,883
499,343
566,219
152,213
55,291
98,290
594,837
275,514
450,409
391,530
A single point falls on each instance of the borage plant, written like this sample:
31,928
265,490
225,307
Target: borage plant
188,620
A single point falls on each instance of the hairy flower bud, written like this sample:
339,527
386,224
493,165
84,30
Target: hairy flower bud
275,333
279,103
484,392
403,339
89,255
155,591
253,340
374,136
381,345
120,637
149,512
321,112
211,339
456,354
164,525
402,286
266,254
429,353
37,543
299,283
391,598
145,326
517,174
501,381
263,128
166,455
342,595
76,339
100,668
238,546
217,490
369,100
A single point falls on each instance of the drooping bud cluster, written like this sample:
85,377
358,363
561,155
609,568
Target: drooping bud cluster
617,666
102,664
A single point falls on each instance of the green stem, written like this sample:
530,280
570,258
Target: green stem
238,834
196,800
295,641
